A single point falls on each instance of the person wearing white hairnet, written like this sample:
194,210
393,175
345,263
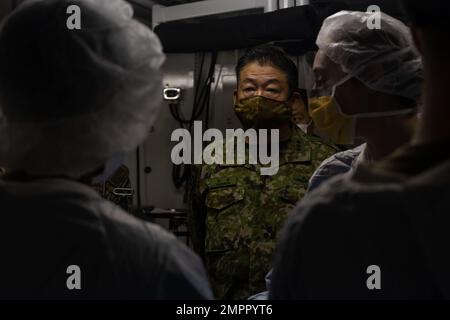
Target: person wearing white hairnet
370,81
73,103
355,102
360,235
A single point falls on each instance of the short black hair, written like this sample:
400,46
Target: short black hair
432,13
270,55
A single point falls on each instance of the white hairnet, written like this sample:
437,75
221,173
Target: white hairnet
72,99
383,59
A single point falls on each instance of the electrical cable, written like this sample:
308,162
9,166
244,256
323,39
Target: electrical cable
202,96
138,177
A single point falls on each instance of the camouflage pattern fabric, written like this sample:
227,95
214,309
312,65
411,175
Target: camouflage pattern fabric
118,189
238,213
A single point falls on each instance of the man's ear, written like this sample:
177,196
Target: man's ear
417,38
235,99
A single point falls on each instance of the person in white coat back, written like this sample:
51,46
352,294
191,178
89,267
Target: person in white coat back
73,103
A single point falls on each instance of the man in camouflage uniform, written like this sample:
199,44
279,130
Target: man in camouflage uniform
237,212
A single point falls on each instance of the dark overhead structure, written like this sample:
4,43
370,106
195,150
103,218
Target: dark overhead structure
243,31
294,29
173,2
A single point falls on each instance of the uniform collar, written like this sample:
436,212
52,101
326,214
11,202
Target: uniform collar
297,148
294,150
361,157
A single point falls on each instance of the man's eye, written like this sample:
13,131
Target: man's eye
248,89
271,90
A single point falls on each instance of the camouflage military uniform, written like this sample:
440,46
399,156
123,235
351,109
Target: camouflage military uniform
118,189
244,211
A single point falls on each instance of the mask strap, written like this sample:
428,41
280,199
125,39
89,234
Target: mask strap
339,83
384,113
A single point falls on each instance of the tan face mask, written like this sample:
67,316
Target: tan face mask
262,113
329,120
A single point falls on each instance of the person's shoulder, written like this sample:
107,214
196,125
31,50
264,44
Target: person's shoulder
122,226
346,227
342,202
318,142
154,255
315,143
339,162
329,163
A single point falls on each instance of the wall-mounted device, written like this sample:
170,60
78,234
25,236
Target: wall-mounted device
172,94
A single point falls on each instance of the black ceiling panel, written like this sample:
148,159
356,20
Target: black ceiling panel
174,2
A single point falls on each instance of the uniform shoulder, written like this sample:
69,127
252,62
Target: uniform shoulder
316,141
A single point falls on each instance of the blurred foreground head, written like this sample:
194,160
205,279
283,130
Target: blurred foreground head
72,99
430,23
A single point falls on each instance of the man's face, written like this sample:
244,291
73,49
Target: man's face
266,81
349,94
326,72
353,96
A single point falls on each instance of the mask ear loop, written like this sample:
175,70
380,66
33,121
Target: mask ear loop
384,113
339,83
333,92
368,114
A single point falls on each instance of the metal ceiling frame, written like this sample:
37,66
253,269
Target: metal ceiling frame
163,14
